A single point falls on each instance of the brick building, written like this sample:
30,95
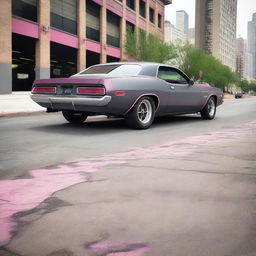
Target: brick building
57,38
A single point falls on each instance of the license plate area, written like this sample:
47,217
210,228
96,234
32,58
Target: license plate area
67,90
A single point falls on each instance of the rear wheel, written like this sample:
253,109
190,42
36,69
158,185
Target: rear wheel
74,117
209,110
142,114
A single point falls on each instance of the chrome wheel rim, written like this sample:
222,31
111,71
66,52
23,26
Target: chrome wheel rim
211,107
144,112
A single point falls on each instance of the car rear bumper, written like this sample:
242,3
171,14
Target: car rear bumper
52,100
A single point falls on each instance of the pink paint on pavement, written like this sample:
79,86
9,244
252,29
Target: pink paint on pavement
118,248
25,28
136,252
104,246
25,194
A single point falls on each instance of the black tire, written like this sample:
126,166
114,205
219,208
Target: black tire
74,117
209,110
142,114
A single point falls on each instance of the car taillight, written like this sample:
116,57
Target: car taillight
44,90
91,90
120,93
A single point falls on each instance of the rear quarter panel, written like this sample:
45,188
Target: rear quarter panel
208,91
135,88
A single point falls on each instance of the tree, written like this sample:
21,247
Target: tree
194,62
147,47
204,67
247,86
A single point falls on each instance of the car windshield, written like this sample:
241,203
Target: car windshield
115,69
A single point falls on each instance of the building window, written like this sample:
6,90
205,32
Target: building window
26,9
63,15
151,15
113,29
142,9
63,60
130,26
130,4
159,20
92,21
112,59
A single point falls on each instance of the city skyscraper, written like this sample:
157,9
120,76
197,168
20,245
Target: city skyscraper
251,37
215,29
182,21
240,56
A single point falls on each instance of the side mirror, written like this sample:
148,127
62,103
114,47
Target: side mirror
191,81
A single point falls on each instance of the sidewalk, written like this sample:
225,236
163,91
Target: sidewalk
18,103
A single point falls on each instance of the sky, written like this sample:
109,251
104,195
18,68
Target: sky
245,9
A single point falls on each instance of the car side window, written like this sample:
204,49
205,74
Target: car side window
171,75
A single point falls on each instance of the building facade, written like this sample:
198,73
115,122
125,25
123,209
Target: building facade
240,56
57,38
191,35
172,34
215,29
251,39
182,21
248,66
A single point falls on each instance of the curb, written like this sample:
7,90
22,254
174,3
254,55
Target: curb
21,113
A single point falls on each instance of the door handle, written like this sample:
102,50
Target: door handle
172,87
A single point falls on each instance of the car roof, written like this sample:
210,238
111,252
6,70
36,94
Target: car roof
142,63
148,68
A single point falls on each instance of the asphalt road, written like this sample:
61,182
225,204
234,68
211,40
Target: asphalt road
183,187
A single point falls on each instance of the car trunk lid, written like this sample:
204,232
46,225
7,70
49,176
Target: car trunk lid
71,86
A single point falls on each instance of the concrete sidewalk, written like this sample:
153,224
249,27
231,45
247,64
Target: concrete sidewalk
18,103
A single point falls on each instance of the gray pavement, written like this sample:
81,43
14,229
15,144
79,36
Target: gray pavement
183,187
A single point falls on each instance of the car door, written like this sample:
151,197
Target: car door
182,97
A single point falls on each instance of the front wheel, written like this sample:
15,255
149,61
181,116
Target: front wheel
209,110
142,114
74,117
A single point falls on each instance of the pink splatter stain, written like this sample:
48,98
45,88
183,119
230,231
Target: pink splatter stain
137,252
25,194
118,248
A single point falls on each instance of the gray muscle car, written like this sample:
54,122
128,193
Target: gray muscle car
137,91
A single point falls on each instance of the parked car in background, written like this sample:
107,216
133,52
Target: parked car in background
137,91
238,94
